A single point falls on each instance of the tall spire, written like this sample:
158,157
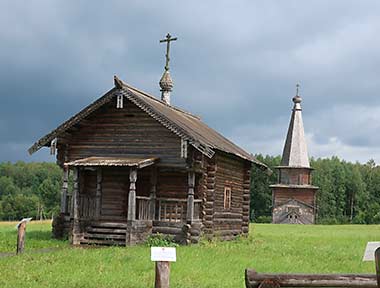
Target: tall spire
295,149
166,82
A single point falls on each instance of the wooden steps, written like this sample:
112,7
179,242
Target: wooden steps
105,233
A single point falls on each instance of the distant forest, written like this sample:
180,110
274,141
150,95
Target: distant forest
349,192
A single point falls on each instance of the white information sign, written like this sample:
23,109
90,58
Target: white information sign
23,220
369,254
163,254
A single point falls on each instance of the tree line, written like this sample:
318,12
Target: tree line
29,190
348,192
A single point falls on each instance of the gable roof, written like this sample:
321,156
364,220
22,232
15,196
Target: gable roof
187,126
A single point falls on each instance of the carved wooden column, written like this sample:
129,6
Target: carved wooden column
132,194
65,179
76,224
153,190
98,196
190,197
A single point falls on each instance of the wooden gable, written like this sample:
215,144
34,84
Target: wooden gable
115,132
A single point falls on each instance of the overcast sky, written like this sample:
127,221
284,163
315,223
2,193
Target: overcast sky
235,64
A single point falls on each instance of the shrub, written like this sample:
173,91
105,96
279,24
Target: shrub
160,240
263,219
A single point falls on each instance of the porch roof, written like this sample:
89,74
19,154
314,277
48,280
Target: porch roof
114,161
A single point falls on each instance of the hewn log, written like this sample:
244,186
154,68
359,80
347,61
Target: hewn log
254,279
162,274
227,232
167,230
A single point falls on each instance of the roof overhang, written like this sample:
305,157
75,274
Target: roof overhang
113,162
294,186
293,167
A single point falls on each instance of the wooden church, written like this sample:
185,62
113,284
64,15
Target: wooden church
142,166
294,196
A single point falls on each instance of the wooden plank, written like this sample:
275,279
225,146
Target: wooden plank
104,236
254,279
109,224
106,230
162,274
102,242
21,237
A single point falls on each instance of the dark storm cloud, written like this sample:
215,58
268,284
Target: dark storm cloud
235,64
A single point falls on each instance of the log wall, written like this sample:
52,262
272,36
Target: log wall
305,195
230,171
299,176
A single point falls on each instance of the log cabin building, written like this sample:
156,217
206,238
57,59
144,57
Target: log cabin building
294,196
142,166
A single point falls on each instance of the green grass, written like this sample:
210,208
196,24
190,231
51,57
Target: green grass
269,248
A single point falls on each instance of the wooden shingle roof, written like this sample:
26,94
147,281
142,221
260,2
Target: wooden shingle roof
187,126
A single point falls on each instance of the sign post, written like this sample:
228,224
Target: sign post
162,256
21,228
377,263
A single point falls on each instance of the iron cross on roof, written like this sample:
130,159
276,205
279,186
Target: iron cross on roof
168,40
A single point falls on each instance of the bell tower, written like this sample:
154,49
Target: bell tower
294,196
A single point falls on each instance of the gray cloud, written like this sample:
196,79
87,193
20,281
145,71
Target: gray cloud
235,64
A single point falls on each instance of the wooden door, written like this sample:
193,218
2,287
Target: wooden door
115,186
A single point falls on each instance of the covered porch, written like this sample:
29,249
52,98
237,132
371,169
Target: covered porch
123,200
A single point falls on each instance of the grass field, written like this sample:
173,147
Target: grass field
269,248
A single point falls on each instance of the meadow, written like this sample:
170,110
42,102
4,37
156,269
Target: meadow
268,248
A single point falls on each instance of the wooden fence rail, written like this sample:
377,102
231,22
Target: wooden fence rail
259,280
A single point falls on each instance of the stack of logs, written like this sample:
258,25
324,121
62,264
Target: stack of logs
192,232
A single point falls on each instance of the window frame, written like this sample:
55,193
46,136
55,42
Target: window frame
227,198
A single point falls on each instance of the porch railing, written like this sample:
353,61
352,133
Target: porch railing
143,207
86,206
175,210
167,209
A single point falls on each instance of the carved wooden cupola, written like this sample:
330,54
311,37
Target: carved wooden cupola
294,173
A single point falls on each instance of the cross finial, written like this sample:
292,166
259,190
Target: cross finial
168,39
297,89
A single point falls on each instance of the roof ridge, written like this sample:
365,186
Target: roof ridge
159,101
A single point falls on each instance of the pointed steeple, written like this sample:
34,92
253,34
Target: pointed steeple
295,149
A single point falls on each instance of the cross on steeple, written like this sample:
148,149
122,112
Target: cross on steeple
297,89
168,40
